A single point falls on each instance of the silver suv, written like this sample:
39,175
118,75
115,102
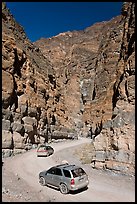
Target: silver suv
65,177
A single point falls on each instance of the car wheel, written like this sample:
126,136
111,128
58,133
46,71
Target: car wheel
63,188
49,153
42,181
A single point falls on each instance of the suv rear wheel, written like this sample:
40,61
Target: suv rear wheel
63,188
42,181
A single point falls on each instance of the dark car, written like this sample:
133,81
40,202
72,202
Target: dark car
65,177
44,150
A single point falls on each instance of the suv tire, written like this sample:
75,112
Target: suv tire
42,181
63,188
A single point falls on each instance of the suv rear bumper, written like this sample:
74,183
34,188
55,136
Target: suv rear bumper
76,187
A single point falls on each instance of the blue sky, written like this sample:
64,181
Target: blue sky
47,19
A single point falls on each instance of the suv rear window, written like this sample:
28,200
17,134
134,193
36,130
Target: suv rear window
78,172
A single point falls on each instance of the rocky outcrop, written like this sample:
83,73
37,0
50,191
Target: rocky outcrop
116,141
25,86
79,83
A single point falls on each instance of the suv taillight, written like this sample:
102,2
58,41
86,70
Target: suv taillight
72,181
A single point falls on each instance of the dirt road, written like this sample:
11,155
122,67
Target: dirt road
20,178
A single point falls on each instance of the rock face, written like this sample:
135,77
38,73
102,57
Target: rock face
79,83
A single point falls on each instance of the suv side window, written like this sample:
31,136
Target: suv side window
51,171
66,173
58,172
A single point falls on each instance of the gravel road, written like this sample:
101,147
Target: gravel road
20,178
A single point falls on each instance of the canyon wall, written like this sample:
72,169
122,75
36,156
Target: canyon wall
75,84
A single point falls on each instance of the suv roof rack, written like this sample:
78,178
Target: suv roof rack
62,165
69,165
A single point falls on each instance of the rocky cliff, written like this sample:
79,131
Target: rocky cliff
79,83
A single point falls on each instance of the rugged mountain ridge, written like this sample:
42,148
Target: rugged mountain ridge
79,83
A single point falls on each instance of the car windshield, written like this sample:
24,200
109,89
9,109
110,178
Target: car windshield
42,148
78,172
